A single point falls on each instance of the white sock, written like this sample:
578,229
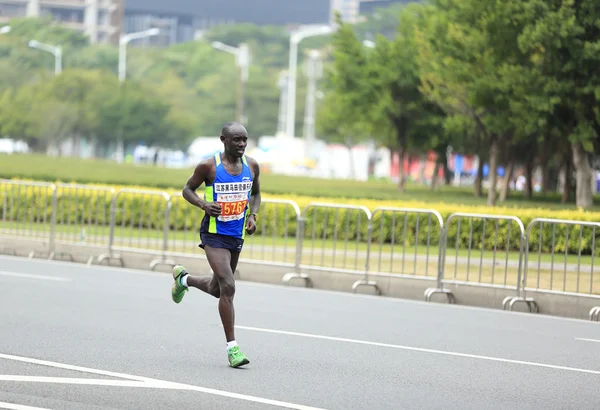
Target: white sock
184,280
231,344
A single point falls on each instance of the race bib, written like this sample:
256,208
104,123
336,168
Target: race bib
233,206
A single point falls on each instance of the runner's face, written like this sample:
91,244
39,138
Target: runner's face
235,145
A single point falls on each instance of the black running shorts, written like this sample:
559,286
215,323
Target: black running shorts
221,241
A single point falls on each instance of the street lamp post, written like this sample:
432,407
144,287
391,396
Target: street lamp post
123,41
123,48
295,39
56,50
242,56
283,89
314,72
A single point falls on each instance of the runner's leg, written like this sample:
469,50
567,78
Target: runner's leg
235,256
223,262
220,262
182,280
207,284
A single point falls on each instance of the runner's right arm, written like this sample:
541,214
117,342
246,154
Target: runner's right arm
202,171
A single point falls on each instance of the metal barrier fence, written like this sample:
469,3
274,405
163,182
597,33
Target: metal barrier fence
494,251
139,223
489,240
573,241
28,211
545,278
82,216
273,243
405,242
322,227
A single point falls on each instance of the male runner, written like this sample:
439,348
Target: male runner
231,201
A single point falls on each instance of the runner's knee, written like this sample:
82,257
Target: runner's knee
214,289
227,287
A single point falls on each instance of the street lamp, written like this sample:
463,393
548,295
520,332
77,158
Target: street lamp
5,29
295,39
314,71
123,41
56,50
123,48
283,89
242,57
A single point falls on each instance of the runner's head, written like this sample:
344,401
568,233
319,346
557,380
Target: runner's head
235,138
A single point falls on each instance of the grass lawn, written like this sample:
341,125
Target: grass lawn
67,169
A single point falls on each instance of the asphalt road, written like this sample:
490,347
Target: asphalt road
78,337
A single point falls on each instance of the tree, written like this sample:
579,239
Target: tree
561,38
198,82
375,92
17,116
44,29
399,110
464,49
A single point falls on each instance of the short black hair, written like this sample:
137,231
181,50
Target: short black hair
233,127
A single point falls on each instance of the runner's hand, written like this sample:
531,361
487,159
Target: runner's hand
213,209
251,225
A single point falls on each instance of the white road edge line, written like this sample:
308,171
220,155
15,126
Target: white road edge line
74,380
154,383
30,276
420,349
12,406
587,340
71,367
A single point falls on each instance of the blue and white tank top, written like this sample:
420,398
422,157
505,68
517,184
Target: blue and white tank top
233,193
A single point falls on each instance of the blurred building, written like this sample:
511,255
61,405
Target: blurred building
370,6
101,20
352,10
184,20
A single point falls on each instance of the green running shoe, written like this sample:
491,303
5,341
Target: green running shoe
178,290
236,358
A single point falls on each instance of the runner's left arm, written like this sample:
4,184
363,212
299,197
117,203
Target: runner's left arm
255,198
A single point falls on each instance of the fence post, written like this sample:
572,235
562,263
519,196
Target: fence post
366,281
163,259
297,274
595,314
54,206
443,242
111,238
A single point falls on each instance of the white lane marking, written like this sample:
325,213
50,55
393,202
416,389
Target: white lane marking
420,349
587,340
74,380
12,406
241,396
30,276
70,367
155,383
